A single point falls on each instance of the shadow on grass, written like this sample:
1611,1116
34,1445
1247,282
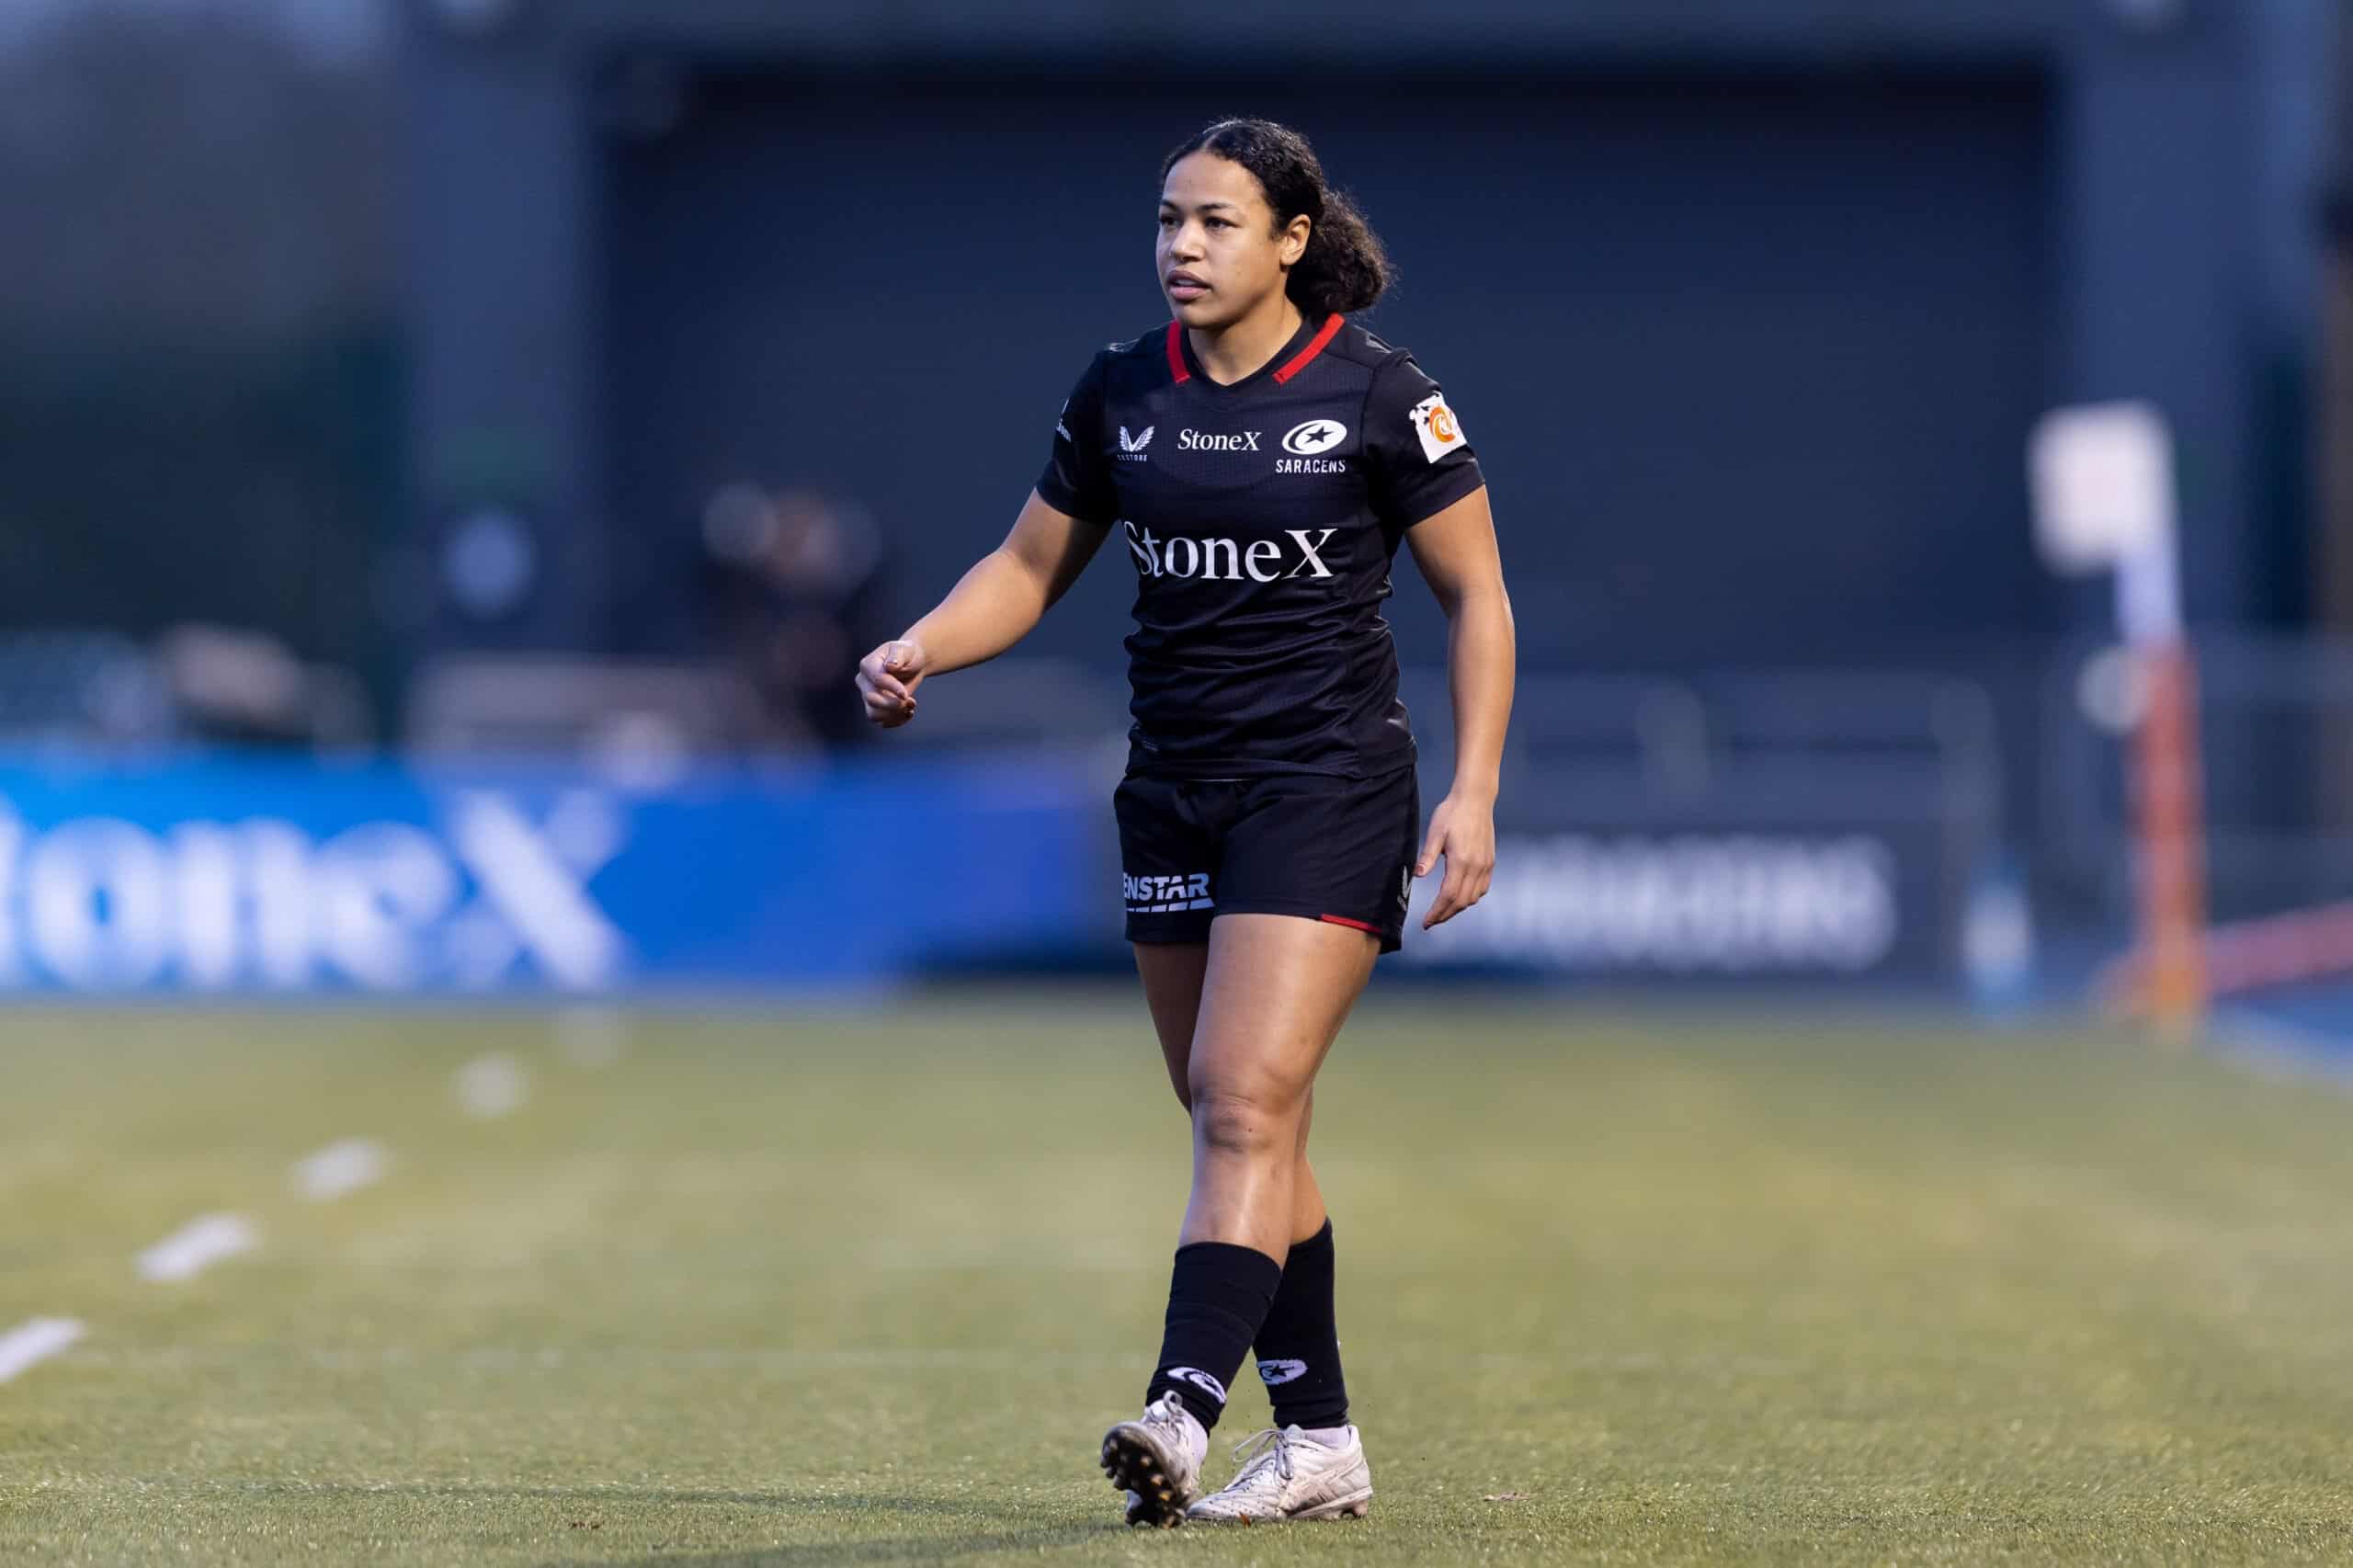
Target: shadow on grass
901,1548
588,1495
892,1548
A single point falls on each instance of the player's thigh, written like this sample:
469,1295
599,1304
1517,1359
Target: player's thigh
1172,974
1338,850
1171,844
1276,989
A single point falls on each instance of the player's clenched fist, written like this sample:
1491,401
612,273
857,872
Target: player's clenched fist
887,679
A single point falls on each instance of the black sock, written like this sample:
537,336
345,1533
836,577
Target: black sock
1217,1297
1298,1345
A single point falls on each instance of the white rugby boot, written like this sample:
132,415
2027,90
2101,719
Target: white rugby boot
1290,1475
1156,1459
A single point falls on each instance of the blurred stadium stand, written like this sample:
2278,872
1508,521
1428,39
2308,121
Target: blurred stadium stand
81,689
573,704
1748,303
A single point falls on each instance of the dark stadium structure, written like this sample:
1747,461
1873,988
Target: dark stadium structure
1749,305
1766,290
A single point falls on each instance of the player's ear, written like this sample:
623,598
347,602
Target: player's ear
1290,241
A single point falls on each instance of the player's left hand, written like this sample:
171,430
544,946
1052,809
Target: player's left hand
1463,830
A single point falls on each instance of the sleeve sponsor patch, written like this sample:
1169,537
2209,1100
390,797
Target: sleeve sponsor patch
1062,429
1435,425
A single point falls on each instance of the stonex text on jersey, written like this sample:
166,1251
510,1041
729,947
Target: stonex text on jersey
1261,518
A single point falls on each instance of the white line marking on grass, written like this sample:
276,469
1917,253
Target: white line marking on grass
196,1246
591,1037
339,1168
493,1086
36,1341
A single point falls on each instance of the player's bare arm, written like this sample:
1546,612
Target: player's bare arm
992,607
1456,553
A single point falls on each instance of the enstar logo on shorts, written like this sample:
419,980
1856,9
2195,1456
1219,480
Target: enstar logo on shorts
1163,895
1435,425
1132,447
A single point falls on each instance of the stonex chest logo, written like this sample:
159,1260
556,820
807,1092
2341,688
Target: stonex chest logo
1221,560
1209,441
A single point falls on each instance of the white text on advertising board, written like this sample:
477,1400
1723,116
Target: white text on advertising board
487,893
1730,903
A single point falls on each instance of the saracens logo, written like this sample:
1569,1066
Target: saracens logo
1229,560
1206,1381
1315,436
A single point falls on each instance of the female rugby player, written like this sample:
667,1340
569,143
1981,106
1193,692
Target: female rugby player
1258,458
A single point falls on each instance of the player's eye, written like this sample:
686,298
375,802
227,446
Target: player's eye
1221,222
1168,219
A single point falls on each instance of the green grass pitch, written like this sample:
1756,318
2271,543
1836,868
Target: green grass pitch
865,1288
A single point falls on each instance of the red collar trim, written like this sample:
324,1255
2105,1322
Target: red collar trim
1314,346
1331,329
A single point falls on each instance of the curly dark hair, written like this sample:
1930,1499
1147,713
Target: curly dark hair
1345,267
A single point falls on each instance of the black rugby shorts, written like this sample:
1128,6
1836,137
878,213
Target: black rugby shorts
1335,849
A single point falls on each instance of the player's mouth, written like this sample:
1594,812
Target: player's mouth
1183,285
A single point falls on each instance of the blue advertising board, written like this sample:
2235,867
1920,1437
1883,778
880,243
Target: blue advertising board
260,876
256,876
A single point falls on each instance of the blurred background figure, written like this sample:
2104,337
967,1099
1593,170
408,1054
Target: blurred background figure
796,586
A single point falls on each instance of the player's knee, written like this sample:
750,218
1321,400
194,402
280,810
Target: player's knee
1248,1120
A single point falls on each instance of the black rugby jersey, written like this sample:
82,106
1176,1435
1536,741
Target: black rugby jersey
1260,518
